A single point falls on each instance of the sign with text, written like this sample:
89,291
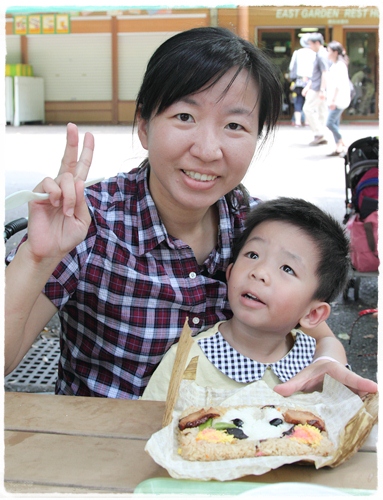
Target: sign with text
332,15
41,24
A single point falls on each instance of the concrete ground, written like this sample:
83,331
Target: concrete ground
285,166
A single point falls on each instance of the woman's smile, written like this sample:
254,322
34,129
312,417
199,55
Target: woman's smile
199,177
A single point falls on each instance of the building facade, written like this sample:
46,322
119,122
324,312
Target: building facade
92,61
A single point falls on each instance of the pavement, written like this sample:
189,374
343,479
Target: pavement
285,166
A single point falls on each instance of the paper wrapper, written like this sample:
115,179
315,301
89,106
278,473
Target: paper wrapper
348,420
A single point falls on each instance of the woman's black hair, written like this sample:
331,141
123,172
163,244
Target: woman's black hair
191,60
338,47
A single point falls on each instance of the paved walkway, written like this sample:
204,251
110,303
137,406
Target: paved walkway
285,166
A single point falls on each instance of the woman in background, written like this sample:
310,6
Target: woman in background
338,93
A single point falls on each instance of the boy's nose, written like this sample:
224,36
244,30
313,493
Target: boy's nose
260,273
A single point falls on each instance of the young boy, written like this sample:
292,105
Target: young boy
291,260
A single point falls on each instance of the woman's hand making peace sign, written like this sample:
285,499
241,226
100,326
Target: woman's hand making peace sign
57,225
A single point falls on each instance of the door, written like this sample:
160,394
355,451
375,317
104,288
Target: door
362,49
277,45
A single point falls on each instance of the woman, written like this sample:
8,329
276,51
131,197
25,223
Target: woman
129,262
338,93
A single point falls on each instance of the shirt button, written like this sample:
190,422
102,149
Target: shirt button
192,275
195,320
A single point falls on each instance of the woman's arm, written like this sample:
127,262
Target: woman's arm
55,227
327,343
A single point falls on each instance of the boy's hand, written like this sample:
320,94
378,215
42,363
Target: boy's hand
311,379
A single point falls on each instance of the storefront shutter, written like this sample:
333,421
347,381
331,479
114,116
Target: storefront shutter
13,49
134,52
75,67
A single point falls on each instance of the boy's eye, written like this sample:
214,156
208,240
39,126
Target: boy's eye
252,255
287,269
184,117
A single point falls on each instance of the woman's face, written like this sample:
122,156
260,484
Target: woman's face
332,54
201,146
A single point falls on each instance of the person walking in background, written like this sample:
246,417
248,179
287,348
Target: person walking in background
301,69
338,93
315,107
361,103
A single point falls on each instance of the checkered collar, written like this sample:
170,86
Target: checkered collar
245,370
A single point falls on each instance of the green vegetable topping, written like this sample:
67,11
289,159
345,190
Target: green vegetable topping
223,425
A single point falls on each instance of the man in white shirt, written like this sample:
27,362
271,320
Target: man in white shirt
315,107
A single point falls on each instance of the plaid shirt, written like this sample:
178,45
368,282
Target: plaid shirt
124,293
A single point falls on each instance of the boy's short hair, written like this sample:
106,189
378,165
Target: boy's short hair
326,232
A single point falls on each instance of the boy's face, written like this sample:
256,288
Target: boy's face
273,280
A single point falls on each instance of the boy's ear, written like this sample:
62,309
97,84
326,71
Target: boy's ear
142,131
318,313
228,271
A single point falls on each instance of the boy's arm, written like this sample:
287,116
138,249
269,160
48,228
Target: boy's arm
311,378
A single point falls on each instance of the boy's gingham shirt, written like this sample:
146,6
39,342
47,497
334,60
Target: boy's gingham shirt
245,370
125,292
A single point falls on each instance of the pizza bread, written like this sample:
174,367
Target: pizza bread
250,431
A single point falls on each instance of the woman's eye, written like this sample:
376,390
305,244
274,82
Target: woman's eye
234,126
184,117
252,255
287,269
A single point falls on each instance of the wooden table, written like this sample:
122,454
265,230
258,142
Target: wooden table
77,444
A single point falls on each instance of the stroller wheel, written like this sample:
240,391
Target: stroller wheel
346,289
356,288
352,283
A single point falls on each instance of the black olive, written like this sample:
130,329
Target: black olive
289,431
237,433
276,422
238,422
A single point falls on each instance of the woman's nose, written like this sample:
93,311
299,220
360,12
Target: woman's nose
206,145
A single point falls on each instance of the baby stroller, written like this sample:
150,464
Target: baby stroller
361,218
14,227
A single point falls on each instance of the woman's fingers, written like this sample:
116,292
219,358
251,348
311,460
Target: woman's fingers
85,160
70,163
68,193
49,185
63,190
69,159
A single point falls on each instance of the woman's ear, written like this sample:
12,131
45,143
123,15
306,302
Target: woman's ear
142,130
318,313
